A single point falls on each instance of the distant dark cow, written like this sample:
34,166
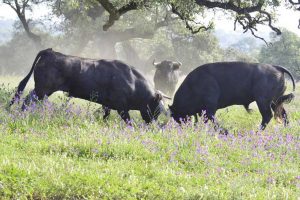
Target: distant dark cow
112,83
218,85
166,76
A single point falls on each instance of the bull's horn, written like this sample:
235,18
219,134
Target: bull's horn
177,63
163,95
155,63
166,97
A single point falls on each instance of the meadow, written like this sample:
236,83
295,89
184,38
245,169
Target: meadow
62,149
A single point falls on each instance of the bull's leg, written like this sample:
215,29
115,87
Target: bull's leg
185,119
209,115
34,96
146,116
264,107
217,126
125,116
246,106
106,111
31,97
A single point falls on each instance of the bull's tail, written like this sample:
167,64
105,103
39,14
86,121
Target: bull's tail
285,99
279,112
23,83
283,69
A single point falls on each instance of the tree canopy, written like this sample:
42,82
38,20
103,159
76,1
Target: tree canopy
284,51
138,31
246,13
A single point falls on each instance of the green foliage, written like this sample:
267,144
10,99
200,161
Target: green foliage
283,51
234,54
137,47
191,50
61,151
15,54
134,38
248,45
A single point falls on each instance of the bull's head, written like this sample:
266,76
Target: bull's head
173,114
166,76
159,97
167,65
156,105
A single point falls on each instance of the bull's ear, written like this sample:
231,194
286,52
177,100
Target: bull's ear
176,65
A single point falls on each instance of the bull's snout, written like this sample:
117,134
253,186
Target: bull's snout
163,110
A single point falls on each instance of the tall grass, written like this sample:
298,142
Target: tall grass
61,149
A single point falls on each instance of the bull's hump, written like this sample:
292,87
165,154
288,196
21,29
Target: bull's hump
225,66
111,62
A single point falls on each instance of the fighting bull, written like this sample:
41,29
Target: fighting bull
218,85
111,83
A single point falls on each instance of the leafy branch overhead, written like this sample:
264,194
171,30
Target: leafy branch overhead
115,13
20,8
248,14
295,3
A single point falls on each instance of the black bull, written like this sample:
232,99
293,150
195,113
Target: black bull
218,85
166,76
113,84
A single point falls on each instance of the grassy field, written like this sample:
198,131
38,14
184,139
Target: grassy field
62,150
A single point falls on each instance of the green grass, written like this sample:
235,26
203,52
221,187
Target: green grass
61,150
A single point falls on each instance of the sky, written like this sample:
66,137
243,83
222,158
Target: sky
6,12
287,18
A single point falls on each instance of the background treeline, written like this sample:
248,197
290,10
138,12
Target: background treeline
138,39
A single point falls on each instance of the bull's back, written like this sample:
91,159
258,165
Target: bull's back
228,83
124,83
235,81
112,82
229,75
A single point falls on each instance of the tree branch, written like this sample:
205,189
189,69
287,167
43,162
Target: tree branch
296,4
231,6
20,11
187,20
9,3
114,13
269,18
244,17
243,13
131,33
